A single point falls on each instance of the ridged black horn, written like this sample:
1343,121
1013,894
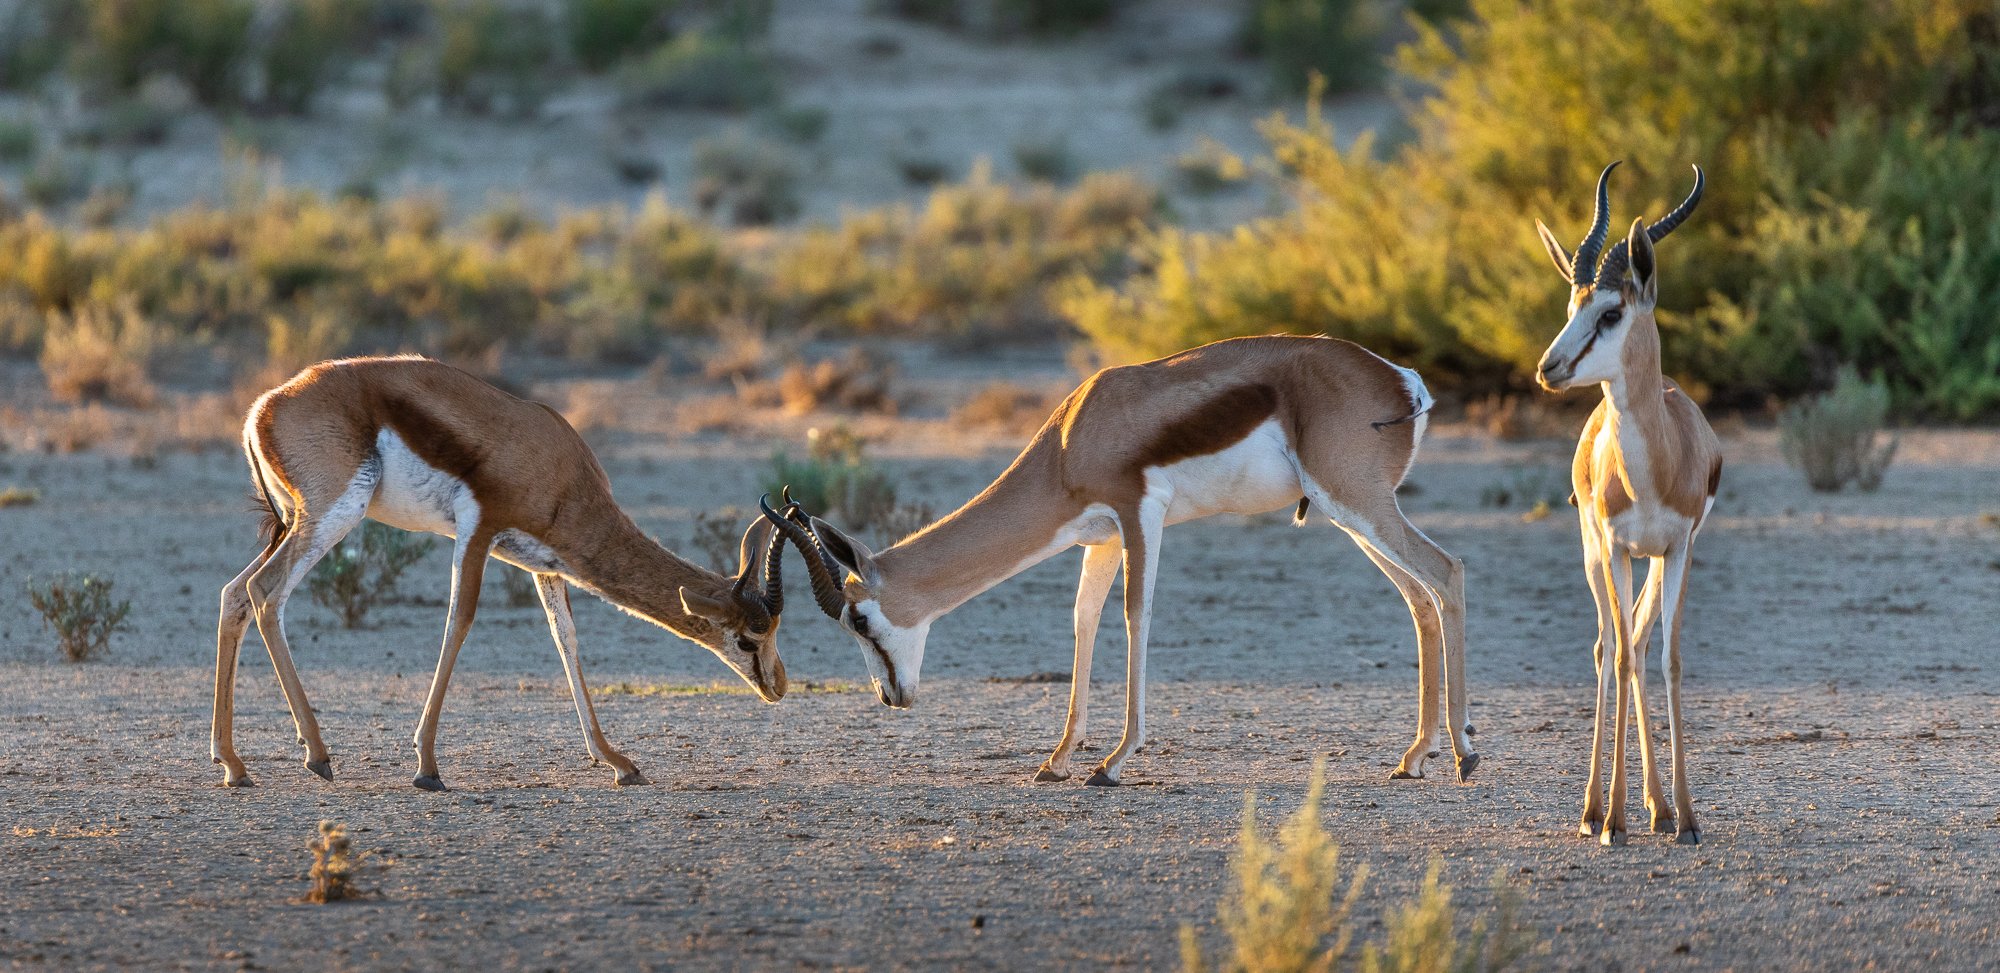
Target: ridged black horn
1582,267
825,586
1618,259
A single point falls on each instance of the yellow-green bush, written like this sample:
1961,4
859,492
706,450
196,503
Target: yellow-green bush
1851,212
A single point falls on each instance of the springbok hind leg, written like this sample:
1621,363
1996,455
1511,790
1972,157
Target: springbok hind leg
231,624
1140,532
1100,568
1430,661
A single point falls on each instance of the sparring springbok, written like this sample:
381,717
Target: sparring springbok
426,447
1645,474
1246,426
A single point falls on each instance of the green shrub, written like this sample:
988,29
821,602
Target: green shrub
836,481
309,40
492,54
603,32
748,179
202,42
1045,159
36,37
1335,39
697,70
17,140
98,353
1287,914
361,571
1851,214
1835,437
78,607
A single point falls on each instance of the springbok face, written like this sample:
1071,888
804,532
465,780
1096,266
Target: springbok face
893,653
1609,302
743,623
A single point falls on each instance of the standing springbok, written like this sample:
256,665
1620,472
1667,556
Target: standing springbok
426,447
1645,474
1246,426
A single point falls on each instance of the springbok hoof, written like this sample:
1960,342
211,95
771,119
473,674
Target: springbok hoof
632,779
1099,778
1589,828
429,782
1612,838
1466,765
1401,774
1689,836
1663,824
324,768
237,780
1047,775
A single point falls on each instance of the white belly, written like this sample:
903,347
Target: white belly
1251,477
412,494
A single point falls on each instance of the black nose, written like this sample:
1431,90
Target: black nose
1552,373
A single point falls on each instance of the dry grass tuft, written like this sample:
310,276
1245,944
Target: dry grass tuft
1005,405
99,353
19,497
852,383
716,536
334,866
80,610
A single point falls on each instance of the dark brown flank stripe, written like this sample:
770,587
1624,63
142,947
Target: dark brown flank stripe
1218,424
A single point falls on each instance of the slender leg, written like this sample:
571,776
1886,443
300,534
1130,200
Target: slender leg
234,619
1430,660
555,601
1100,568
1642,624
1619,571
467,571
1671,602
1596,572
271,586
1141,533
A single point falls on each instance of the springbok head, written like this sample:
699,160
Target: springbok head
894,653
1610,301
742,621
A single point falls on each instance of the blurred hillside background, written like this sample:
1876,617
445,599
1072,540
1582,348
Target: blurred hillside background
206,194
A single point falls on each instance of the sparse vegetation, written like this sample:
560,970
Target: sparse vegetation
603,32
79,609
1835,438
1210,168
1333,39
14,496
1004,405
493,56
99,354
717,536
837,481
519,588
699,70
1045,159
360,572
334,866
1287,914
747,179
17,140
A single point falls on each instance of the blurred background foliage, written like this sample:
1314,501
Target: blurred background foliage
1852,213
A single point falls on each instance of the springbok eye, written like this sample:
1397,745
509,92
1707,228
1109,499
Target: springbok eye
746,646
857,621
1610,317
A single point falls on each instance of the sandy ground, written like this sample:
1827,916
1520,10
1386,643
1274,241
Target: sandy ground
1841,688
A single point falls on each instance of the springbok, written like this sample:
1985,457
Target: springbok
1645,474
1246,426
426,447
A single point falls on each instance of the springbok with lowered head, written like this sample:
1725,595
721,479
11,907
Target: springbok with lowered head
1244,426
1645,474
426,447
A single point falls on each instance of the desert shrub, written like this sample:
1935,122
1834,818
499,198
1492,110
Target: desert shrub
1167,101
1835,438
1286,912
1850,215
717,535
309,39
699,70
1334,39
920,168
837,481
99,354
1045,159
855,383
334,865
1210,168
1004,405
750,180
801,124
79,609
603,32
202,42
36,36
943,13
361,571
17,140
492,54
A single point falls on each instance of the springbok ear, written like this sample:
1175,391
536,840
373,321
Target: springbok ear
852,554
1555,250
714,609
1639,273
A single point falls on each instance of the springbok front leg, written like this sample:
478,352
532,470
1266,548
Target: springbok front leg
1642,625
1140,530
467,571
562,626
1618,572
1596,570
1100,568
1672,592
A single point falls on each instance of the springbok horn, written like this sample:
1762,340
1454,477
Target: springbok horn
1616,260
1583,266
825,588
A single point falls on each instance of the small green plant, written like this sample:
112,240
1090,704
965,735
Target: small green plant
1531,487
604,32
78,607
1045,159
697,70
492,54
308,42
752,180
1334,39
17,140
361,572
1836,437
19,497
1287,914
334,865
837,481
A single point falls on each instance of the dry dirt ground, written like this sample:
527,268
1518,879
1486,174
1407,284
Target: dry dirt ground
1842,689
